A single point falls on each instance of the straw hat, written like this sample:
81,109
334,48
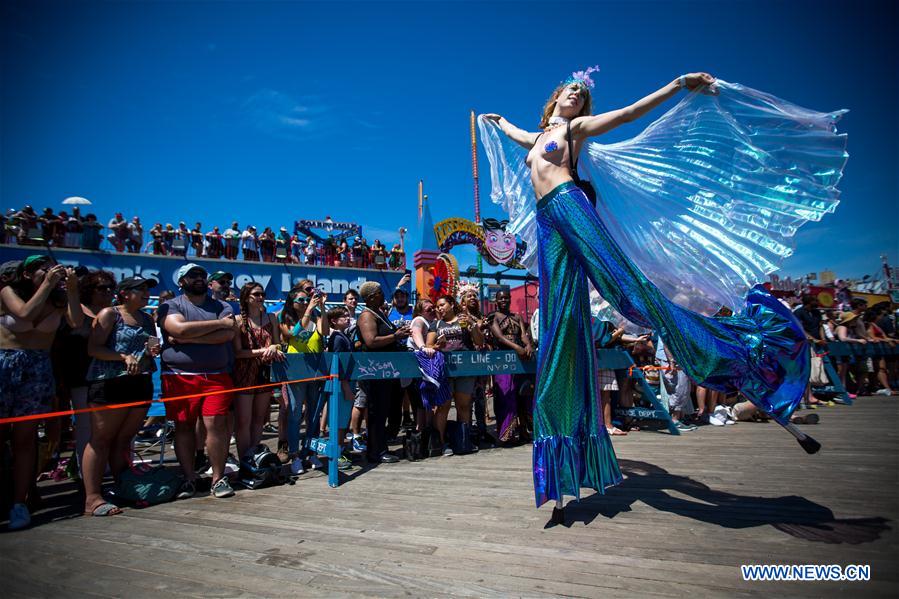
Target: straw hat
847,317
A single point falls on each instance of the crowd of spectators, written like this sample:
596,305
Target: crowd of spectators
79,338
26,227
692,406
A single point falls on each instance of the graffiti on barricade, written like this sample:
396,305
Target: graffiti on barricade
375,369
492,363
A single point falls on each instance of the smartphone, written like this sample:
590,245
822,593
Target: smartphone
152,343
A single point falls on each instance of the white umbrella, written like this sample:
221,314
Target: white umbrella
76,201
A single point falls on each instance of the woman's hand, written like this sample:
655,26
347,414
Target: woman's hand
491,116
695,80
429,351
56,274
154,349
272,353
132,364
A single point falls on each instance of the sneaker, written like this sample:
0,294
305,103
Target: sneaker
447,450
296,466
19,517
359,445
715,420
315,462
283,454
269,428
388,458
684,428
344,463
724,415
222,488
883,392
348,436
186,490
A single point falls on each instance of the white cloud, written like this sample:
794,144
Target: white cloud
278,114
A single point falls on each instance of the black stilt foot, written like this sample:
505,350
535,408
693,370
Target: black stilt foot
809,445
558,516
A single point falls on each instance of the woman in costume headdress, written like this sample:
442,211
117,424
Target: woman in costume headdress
702,203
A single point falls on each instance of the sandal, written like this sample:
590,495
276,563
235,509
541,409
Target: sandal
104,509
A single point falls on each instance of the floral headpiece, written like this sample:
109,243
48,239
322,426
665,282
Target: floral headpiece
583,77
468,287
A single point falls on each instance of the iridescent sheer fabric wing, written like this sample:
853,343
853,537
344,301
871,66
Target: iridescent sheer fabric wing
707,199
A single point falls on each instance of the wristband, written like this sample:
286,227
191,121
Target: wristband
682,81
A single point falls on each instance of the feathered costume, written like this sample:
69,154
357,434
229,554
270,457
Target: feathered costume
692,213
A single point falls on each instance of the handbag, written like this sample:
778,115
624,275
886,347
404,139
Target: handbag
143,486
585,186
414,445
818,375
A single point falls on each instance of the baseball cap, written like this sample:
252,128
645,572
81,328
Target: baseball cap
220,274
135,282
187,268
9,268
32,262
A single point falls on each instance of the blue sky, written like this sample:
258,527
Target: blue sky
268,112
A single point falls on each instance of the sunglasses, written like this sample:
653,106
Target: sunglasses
301,300
257,294
309,289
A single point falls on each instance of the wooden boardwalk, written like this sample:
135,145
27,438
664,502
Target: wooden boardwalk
690,512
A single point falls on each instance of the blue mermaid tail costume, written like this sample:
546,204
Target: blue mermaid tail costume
761,351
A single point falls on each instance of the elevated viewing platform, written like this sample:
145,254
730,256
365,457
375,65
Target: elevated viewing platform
276,277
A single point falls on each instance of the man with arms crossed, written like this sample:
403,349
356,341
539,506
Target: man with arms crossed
196,358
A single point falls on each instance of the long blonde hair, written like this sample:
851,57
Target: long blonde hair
586,110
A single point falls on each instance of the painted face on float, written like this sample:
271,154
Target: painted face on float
500,244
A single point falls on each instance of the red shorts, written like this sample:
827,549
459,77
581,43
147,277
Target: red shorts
215,402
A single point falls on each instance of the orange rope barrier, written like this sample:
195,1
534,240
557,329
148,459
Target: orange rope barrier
630,371
133,404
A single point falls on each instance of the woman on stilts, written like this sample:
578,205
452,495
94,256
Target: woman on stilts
761,351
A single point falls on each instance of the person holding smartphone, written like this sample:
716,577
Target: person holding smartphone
121,372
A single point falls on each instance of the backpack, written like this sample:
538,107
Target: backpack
262,469
144,485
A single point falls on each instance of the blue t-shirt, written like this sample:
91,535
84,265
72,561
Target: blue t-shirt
398,318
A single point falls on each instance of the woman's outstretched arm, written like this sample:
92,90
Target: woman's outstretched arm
519,136
589,126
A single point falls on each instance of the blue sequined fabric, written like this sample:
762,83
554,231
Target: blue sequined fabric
760,352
